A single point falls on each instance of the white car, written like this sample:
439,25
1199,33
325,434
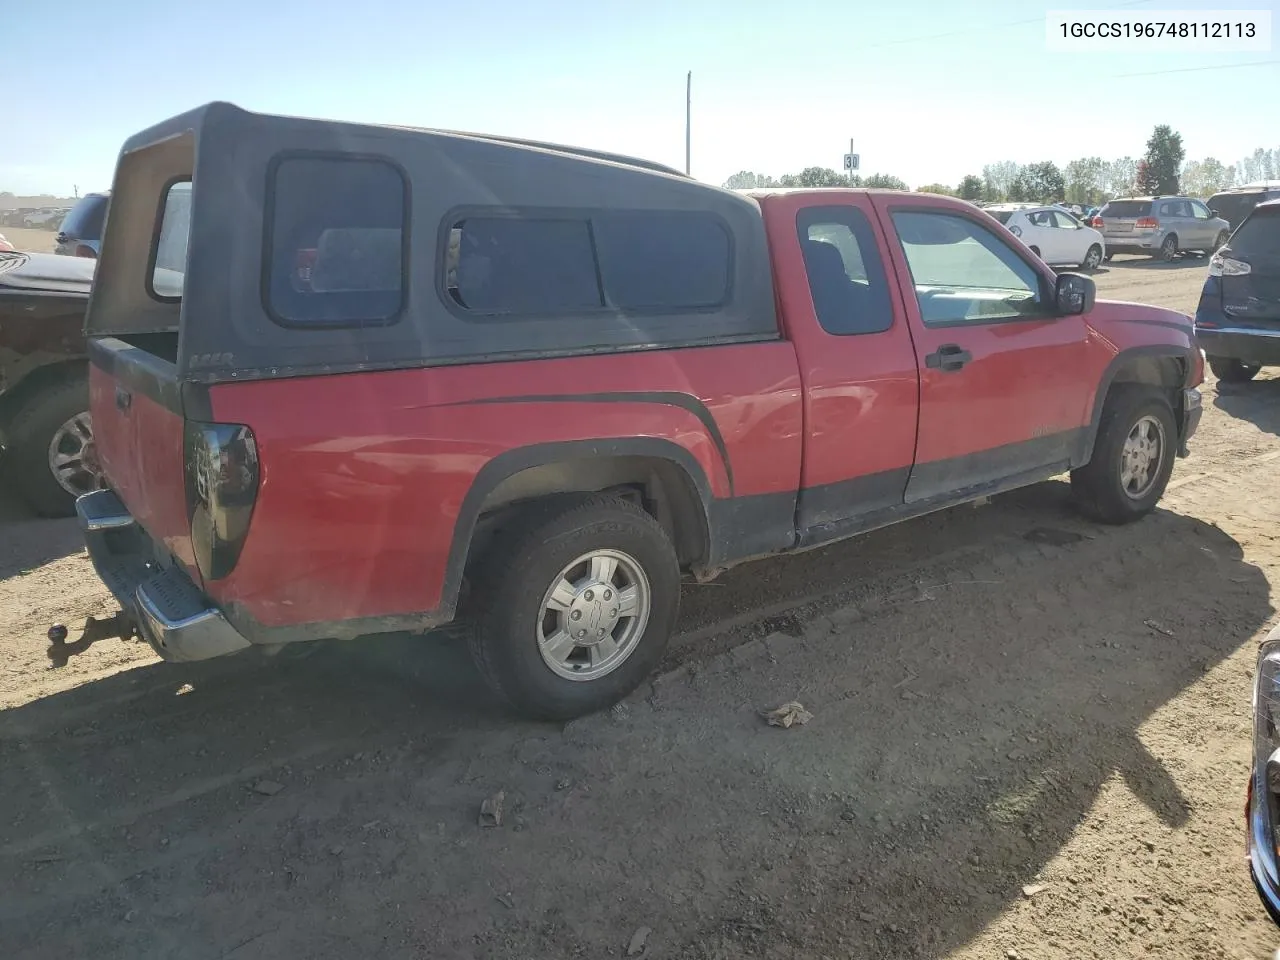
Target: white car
44,216
1053,235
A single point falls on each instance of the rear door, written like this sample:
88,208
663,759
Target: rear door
851,335
1252,299
1003,381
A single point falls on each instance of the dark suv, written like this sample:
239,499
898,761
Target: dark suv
1234,205
1238,320
1160,226
81,232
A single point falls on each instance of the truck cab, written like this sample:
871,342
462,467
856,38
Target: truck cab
349,379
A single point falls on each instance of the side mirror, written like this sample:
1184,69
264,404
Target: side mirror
1074,294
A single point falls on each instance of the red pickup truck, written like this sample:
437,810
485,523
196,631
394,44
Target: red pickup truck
535,385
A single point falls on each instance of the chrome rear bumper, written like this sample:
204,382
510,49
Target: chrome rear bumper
173,614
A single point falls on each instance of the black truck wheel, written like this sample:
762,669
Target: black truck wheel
1132,458
51,459
574,606
1230,370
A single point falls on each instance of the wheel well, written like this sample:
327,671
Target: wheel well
661,487
1167,374
41,378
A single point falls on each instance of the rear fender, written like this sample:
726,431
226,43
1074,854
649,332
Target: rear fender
666,477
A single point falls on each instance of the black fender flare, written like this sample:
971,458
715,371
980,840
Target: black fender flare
1118,362
511,462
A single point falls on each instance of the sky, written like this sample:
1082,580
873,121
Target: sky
928,90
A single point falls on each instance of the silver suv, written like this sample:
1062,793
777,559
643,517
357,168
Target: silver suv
1160,226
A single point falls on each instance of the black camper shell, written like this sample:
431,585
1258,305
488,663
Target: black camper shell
242,245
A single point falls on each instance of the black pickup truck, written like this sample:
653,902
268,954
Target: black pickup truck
45,430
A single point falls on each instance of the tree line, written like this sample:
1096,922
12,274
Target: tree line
1089,181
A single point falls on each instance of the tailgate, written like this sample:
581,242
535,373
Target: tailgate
136,405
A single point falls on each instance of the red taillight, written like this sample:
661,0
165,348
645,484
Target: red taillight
85,251
221,463
1146,223
1095,222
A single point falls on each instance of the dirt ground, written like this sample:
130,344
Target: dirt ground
30,239
1019,749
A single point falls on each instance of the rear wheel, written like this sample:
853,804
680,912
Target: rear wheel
53,457
575,606
1220,242
1230,370
1132,456
1036,251
1169,249
1093,258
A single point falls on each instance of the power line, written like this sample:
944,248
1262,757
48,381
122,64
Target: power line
1219,66
972,30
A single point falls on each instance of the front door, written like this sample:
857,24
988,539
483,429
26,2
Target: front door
1003,379
1205,229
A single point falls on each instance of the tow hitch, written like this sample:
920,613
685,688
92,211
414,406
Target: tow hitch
120,626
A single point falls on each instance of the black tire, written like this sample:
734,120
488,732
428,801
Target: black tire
1169,248
1092,258
1036,251
1221,241
1097,486
520,568
38,418
1230,370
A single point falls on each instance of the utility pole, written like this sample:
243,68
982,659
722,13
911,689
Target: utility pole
688,122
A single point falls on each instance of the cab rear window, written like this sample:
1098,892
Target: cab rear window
335,242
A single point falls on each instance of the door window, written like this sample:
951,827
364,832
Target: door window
1199,210
963,273
846,277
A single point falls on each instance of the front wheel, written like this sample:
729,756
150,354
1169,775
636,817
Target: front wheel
1230,370
1093,258
575,607
1132,458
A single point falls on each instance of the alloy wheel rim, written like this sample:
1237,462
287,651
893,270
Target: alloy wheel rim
593,615
1141,457
73,457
